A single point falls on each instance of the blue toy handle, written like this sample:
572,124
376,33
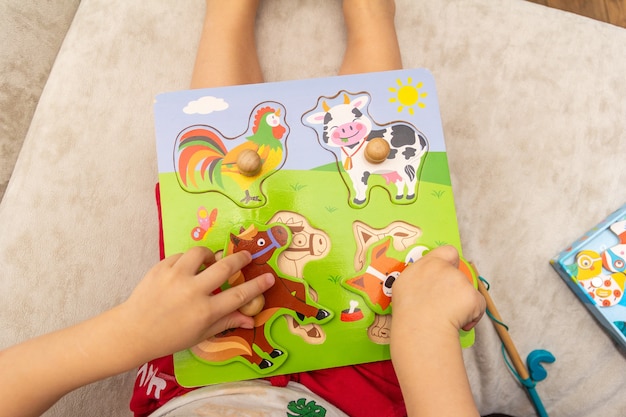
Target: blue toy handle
534,362
537,372
530,387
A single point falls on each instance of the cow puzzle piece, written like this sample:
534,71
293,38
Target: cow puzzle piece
366,149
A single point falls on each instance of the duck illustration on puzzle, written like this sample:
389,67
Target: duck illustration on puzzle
393,151
604,289
204,161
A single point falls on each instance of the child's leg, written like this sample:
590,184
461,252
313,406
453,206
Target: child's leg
372,41
227,51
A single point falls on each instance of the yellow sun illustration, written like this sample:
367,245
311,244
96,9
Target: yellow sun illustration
408,95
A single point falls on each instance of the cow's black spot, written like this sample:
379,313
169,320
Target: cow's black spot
402,135
392,154
376,134
357,113
365,177
409,152
423,141
328,118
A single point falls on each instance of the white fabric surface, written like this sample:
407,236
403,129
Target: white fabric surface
257,398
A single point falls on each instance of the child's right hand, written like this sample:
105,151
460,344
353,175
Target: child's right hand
432,300
433,292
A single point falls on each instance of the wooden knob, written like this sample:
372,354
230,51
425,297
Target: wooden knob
253,307
377,150
249,163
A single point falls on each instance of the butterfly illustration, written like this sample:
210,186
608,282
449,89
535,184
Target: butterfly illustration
206,221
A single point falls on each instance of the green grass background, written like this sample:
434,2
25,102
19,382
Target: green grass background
322,197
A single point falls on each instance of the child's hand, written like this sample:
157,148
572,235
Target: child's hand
173,308
432,300
433,291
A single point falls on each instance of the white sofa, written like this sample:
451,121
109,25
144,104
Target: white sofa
533,108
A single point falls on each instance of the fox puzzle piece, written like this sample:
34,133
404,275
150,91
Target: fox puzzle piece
346,176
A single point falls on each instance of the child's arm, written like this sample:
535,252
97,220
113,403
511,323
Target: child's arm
432,300
170,310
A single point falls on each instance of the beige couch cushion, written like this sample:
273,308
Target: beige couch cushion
31,33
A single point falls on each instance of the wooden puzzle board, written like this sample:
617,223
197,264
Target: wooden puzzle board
338,208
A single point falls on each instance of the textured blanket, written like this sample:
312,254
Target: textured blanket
533,109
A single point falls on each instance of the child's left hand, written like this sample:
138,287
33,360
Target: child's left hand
173,307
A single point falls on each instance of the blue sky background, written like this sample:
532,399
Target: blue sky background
298,97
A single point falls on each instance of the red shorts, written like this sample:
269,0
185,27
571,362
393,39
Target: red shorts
360,390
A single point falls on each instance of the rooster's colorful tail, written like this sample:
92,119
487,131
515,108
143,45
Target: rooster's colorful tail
199,149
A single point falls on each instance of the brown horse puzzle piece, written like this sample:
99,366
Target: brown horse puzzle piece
286,295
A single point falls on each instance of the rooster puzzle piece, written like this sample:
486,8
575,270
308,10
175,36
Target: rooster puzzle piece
206,160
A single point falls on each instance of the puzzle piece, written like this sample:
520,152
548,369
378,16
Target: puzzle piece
206,160
614,258
287,296
403,235
375,282
307,244
392,151
604,289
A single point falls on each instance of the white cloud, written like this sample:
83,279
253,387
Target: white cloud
206,105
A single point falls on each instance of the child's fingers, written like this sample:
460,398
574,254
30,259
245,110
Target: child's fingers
172,259
447,253
215,275
233,298
479,309
191,261
230,321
